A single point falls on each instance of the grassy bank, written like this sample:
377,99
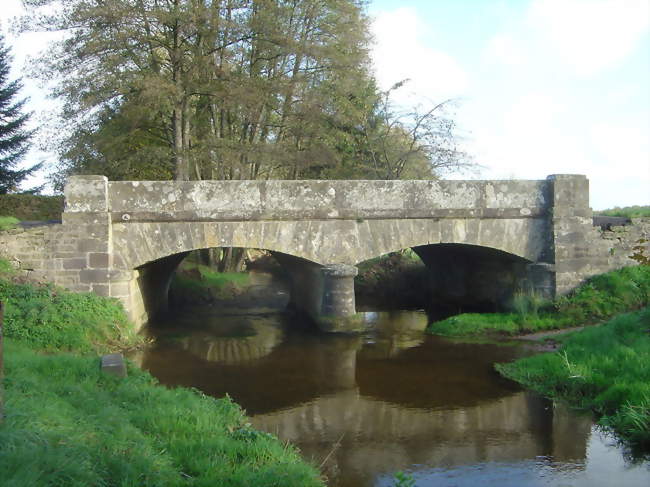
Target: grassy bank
600,298
627,212
195,281
8,222
67,424
605,369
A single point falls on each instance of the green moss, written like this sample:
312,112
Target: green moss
605,369
601,297
67,424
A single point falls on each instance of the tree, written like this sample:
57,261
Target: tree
14,136
219,89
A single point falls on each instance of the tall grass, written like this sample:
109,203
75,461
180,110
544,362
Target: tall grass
49,318
67,424
605,369
601,297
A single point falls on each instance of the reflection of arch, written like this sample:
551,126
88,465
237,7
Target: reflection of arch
234,350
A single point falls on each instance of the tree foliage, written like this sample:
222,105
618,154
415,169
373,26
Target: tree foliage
229,89
14,136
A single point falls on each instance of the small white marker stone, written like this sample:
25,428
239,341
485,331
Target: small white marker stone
113,364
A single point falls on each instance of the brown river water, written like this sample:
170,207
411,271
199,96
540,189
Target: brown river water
364,407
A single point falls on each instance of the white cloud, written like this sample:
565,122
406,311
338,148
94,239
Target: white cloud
400,53
505,49
590,35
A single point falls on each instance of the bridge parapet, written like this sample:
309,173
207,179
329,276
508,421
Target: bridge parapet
124,238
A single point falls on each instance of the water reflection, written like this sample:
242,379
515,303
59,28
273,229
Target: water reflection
391,399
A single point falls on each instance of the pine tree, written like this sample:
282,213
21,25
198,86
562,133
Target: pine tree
14,136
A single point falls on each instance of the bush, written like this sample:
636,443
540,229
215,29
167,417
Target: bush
627,212
31,206
51,318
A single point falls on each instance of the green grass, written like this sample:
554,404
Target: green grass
605,369
601,297
49,318
67,424
8,222
627,212
208,283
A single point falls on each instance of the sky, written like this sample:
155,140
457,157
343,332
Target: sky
540,86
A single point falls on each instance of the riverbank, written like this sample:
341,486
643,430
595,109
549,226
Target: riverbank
605,369
67,424
599,299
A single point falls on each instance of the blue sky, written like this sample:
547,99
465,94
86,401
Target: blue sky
543,86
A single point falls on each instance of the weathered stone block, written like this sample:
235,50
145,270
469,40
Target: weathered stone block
92,245
98,260
86,194
120,289
113,364
101,289
75,263
94,276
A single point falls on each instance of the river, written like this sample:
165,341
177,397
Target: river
363,407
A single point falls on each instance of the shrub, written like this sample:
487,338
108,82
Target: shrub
51,318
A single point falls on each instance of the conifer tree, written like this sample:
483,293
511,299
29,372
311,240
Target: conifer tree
14,136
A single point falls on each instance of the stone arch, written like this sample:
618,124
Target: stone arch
148,253
518,237
138,244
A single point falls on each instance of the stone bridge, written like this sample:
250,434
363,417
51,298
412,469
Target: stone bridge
125,238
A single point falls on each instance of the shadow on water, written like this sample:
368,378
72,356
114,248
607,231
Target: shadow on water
390,399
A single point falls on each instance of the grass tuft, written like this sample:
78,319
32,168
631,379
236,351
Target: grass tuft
8,222
600,298
49,318
605,369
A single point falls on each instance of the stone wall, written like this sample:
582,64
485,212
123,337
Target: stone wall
123,239
617,244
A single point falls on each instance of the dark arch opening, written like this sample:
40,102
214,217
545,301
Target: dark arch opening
444,279
466,278
165,284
